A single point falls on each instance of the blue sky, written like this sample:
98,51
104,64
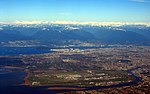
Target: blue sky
75,10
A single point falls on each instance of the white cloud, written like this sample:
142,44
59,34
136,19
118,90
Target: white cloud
101,23
79,23
31,22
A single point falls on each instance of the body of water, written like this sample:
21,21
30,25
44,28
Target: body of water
10,81
11,84
10,51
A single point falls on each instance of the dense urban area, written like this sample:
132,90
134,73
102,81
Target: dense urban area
86,68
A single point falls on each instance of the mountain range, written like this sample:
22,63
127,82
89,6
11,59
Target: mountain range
48,33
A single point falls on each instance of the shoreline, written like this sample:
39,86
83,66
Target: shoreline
26,81
76,88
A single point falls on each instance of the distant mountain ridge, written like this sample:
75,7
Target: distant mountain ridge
12,35
108,34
